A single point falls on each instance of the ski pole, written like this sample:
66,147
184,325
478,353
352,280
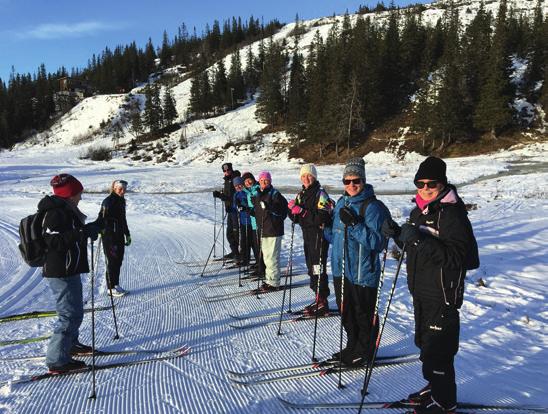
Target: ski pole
93,395
242,253
260,238
369,369
109,283
340,385
321,265
212,247
223,227
287,273
214,225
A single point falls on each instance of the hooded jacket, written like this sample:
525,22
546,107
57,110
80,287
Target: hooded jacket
365,240
63,234
436,266
272,217
113,217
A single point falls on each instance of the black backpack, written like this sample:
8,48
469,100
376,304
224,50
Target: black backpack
32,246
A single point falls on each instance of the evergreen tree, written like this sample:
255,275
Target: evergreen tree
270,103
169,110
221,93
493,113
537,52
136,124
296,97
236,84
251,76
165,51
153,110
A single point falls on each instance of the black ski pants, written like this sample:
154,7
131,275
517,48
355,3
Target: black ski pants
358,309
232,232
246,243
437,327
313,241
114,256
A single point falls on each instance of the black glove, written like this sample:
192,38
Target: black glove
349,217
217,194
410,235
390,229
91,231
252,212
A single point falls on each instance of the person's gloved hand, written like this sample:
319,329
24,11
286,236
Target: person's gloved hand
128,240
349,217
252,212
410,235
217,194
291,204
298,211
390,229
91,231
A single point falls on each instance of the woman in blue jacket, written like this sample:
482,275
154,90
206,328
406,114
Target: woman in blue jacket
362,216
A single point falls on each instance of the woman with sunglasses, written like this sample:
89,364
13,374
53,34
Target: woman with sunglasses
440,247
356,238
116,235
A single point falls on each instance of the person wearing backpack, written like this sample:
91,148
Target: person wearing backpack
311,209
359,250
116,234
441,247
65,237
270,213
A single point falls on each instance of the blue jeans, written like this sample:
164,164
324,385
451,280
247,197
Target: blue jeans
70,311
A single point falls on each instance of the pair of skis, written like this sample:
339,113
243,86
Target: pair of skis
463,408
252,292
163,356
317,369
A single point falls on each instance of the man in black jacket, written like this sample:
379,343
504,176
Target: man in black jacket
227,195
65,236
441,247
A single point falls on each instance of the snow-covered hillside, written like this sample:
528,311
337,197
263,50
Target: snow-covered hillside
92,122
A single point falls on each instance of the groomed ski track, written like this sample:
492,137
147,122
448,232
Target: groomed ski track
165,308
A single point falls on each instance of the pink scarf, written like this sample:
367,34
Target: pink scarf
449,198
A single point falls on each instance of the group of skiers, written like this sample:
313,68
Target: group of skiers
438,241
65,235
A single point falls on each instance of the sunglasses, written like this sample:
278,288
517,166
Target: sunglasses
429,184
352,181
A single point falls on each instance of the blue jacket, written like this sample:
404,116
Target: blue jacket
365,240
240,200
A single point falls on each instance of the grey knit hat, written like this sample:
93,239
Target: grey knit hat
355,166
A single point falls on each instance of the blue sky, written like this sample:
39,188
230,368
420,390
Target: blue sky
62,33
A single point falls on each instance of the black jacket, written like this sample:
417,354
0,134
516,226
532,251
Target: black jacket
66,243
436,266
113,217
270,220
317,204
228,193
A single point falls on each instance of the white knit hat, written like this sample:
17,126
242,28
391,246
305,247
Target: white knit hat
309,169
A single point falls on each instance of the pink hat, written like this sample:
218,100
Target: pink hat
265,175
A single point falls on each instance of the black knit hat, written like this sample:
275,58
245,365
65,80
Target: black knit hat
247,175
227,166
432,168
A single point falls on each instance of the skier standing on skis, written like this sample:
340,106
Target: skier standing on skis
440,246
227,195
116,234
312,209
246,234
270,213
252,188
357,213
65,236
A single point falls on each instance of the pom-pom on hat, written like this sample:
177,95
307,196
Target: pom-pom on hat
66,186
265,175
356,167
432,168
309,169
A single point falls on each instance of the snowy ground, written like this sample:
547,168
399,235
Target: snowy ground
503,355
